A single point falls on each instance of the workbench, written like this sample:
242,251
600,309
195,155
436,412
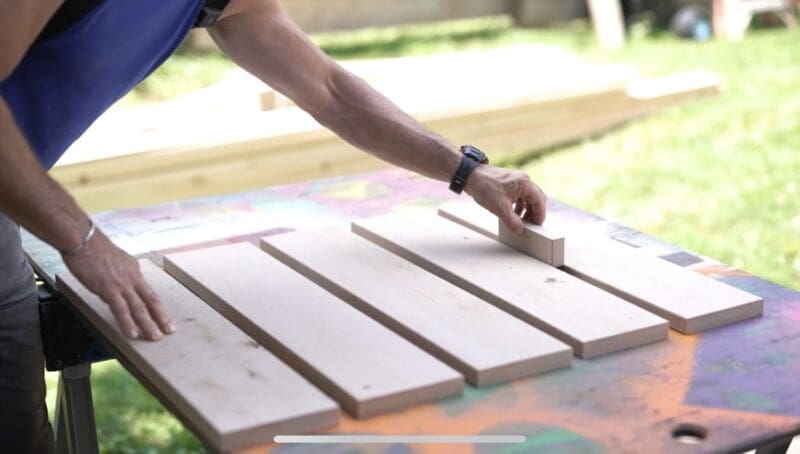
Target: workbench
729,389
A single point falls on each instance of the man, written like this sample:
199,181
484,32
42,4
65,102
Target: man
58,72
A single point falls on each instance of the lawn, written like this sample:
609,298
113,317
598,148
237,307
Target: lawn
720,177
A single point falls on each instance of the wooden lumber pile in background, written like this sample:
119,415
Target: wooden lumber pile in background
513,100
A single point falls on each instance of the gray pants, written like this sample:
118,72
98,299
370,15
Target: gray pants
24,427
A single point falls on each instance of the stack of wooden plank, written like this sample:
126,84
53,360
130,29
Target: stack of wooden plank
508,101
400,313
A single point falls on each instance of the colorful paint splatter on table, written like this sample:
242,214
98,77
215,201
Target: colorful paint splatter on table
740,384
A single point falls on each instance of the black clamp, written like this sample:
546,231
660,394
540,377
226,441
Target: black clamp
65,339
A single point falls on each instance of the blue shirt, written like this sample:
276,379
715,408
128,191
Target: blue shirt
65,82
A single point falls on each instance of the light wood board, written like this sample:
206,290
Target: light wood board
590,320
367,368
484,343
233,393
471,215
690,301
536,241
198,158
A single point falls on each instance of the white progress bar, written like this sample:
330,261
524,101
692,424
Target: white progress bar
390,439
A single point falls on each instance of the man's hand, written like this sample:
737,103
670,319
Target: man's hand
99,265
509,194
114,276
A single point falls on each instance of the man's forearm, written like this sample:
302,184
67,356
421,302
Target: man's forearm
30,197
261,38
367,120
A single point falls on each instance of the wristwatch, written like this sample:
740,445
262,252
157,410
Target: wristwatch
472,158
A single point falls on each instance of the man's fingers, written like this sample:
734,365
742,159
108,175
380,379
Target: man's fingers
141,315
122,314
511,195
511,219
157,310
535,214
536,205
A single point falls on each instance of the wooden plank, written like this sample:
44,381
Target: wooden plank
536,241
323,159
288,146
248,135
231,392
592,321
648,95
690,301
481,341
291,130
364,366
471,215
264,165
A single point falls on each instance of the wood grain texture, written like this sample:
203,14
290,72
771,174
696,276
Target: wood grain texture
367,368
472,216
536,241
230,391
690,301
482,342
590,320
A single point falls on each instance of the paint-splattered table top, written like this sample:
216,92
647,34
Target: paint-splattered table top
738,386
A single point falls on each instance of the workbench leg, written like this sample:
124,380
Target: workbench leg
75,428
777,447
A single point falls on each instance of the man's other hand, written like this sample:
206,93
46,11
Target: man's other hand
509,194
115,277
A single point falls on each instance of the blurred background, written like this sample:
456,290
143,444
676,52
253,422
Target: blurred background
678,118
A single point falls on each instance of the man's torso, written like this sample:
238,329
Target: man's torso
65,81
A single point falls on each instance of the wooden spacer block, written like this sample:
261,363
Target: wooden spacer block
536,241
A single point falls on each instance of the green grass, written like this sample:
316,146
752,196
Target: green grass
129,419
720,176
181,74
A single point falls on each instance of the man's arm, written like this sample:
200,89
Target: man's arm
31,198
261,38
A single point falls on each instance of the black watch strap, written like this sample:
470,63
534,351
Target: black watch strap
462,174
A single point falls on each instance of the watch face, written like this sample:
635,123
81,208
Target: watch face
474,154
